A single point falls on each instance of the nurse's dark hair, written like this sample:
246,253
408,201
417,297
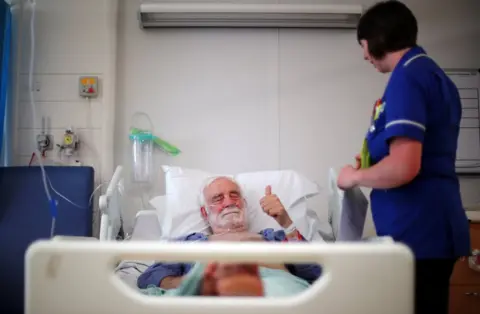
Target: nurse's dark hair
388,26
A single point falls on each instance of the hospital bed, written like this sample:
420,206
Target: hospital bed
362,277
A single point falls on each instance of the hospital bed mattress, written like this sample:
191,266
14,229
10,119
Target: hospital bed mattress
25,217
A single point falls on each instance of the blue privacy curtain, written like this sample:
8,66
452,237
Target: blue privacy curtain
5,39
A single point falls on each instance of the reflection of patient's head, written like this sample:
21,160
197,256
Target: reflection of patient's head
223,206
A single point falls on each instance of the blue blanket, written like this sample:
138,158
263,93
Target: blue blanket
276,283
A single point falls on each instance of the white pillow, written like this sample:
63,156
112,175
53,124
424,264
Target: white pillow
289,185
177,218
183,187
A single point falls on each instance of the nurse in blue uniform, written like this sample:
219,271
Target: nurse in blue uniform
411,150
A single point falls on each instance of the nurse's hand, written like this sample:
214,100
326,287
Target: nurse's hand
347,178
358,163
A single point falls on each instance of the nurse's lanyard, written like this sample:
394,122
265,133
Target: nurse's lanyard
365,160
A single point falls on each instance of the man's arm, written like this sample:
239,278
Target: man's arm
281,236
171,282
155,274
294,235
167,275
308,272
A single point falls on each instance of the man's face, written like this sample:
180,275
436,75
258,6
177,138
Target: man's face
225,207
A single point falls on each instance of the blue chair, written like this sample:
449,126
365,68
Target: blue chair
25,217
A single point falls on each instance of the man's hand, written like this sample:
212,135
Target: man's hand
271,205
231,279
209,282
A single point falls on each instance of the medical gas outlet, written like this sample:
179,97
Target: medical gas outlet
44,140
70,143
44,143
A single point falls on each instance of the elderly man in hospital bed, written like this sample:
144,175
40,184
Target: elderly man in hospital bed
226,212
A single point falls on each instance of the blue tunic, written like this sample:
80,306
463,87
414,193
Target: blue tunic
421,103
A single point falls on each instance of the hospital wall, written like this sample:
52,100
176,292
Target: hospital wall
231,100
72,38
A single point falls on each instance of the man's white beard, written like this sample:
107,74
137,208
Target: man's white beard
229,218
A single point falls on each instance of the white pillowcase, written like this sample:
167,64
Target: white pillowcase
177,216
181,208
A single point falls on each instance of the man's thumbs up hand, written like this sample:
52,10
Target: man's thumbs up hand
272,205
268,190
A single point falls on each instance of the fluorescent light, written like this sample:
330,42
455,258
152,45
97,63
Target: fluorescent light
153,15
